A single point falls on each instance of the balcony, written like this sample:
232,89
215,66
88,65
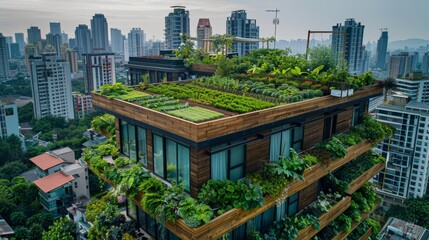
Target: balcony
365,177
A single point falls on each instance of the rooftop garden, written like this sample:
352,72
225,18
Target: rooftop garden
263,79
169,202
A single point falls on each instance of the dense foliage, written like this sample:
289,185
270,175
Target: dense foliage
62,229
25,113
415,210
18,86
104,124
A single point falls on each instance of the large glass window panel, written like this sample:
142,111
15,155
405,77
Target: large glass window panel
184,166
237,156
158,155
142,146
275,143
171,160
286,144
219,165
125,138
132,141
281,210
131,210
268,218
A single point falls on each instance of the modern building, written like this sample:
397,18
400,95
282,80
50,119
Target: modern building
72,57
34,35
19,38
425,63
117,40
83,39
239,26
4,58
54,40
407,170
100,33
64,38
396,229
98,70
30,52
352,53
401,64
14,51
154,47
51,87
204,31
9,41
136,42
82,105
232,147
176,23
381,56
61,179
55,27
9,124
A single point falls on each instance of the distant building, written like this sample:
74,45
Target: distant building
382,50
136,42
9,41
354,52
204,31
19,38
34,35
425,63
4,58
239,26
82,105
176,23
64,38
117,40
55,27
30,52
61,179
54,40
99,30
51,87
154,47
14,51
98,70
72,57
399,65
396,229
83,39
9,124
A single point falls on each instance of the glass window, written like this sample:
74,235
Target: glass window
124,138
132,141
281,142
228,164
158,155
131,210
288,207
142,146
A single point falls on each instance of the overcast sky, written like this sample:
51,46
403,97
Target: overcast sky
404,19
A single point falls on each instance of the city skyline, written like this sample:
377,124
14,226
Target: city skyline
20,15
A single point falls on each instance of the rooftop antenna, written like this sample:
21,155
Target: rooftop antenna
276,21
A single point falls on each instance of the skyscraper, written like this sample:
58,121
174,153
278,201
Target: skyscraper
54,40
98,70
204,31
400,64
176,23
34,35
99,30
51,87
19,38
239,26
353,49
382,50
425,63
4,58
14,51
83,39
30,52
117,40
9,41
136,42
64,38
55,27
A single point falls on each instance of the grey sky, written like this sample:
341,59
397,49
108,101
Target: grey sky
404,19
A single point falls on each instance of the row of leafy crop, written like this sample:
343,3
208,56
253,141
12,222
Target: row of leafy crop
363,228
227,101
363,201
282,93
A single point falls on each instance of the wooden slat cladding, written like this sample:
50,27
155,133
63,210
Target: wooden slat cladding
149,144
308,195
313,132
200,169
199,132
367,234
343,234
118,133
344,121
365,177
257,152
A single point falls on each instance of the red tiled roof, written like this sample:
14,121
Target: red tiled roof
46,161
204,22
53,181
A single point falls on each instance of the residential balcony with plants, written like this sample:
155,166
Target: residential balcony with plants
243,156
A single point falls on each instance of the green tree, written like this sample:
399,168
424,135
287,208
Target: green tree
25,113
62,229
321,55
12,169
10,150
18,219
22,233
36,231
44,219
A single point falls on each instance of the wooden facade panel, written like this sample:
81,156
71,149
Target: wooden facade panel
344,121
257,152
308,195
149,144
313,133
200,169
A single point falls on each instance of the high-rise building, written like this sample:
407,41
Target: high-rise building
98,70
82,105
126,50
54,40
239,25
30,52
9,124
407,170
176,23
4,58
19,38
55,27
34,35
9,41
14,51
83,39
399,65
136,42
353,56
382,50
72,57
64,38
204,31
154,47
99,31
117,42
425,63
51,87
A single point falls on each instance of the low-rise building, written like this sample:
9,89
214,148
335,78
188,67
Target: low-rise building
396,229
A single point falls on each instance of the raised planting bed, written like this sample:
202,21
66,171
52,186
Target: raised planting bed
133,94
365,177
367,234
196,114
325,219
